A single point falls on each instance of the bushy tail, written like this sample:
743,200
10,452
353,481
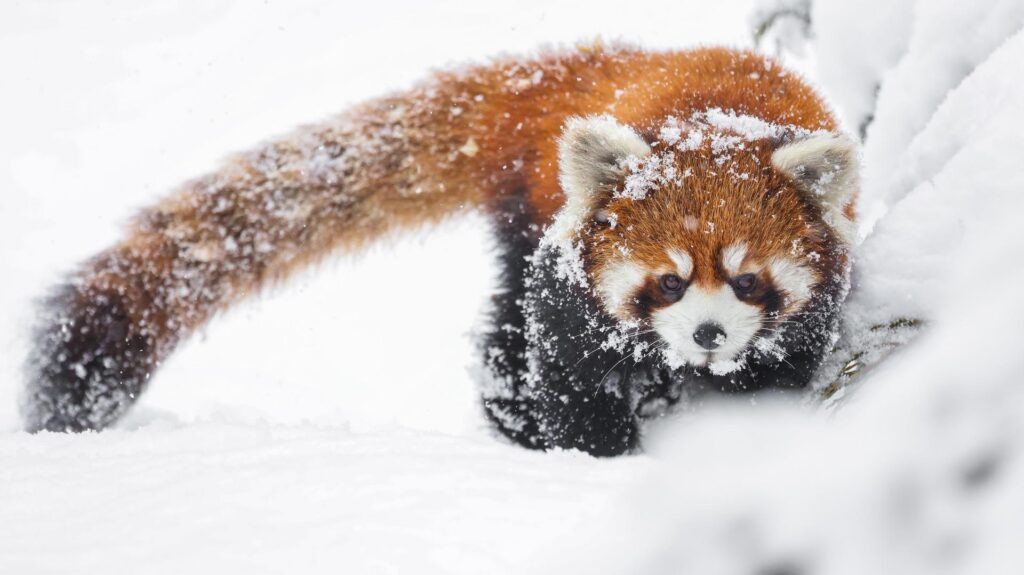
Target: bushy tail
265,214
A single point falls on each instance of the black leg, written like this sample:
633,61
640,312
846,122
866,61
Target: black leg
506,398
583,396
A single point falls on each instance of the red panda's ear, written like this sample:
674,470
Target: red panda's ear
592,154
824,168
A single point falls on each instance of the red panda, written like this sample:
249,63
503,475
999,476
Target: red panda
665,220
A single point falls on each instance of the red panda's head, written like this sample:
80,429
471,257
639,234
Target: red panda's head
715,232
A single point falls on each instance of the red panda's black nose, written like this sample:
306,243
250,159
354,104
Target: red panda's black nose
709,335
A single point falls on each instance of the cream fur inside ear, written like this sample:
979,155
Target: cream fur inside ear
825,168
592,153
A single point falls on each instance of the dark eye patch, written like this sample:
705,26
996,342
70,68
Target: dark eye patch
770,300
656,293
763,293
757,290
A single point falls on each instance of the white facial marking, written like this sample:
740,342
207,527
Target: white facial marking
732,257
677,323
683,261
792,278
618,283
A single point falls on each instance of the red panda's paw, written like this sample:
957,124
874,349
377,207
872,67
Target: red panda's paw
514,419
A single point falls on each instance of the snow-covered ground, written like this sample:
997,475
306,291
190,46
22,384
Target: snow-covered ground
309,432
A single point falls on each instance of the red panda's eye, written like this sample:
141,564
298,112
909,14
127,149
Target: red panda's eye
672,283
745,283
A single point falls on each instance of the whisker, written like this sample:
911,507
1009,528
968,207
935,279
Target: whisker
600,382
807,313
627,337
643,353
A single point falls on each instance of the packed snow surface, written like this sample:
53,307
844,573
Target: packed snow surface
331,425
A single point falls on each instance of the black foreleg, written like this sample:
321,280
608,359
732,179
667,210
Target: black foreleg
580,384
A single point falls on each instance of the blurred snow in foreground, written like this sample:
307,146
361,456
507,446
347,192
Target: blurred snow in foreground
318,430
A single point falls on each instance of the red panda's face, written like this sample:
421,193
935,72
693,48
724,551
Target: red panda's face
708,245
713,263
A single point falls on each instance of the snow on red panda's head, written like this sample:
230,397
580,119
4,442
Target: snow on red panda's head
715,234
